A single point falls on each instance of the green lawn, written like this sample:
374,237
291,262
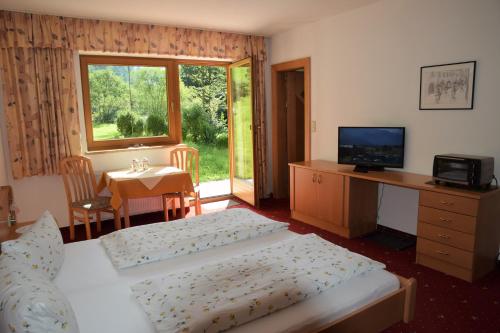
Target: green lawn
214,161
105,132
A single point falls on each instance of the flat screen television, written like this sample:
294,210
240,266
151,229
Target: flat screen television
371,148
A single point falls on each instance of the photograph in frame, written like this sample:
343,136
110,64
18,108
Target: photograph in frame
447,87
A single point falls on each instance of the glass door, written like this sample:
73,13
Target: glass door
241,145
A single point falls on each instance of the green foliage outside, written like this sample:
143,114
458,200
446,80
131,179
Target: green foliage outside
131,101
214,161
203,103
156,124
242,118
132,97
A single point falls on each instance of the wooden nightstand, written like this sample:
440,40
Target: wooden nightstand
9,233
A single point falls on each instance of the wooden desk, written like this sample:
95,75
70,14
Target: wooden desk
458,229
9,233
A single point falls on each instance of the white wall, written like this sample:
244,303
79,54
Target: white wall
365,71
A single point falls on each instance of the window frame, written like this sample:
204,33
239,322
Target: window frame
173,98
174,120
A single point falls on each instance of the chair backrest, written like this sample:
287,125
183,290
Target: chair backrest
187,159
79,179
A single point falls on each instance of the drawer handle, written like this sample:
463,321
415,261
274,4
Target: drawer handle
447,203
314,178
319,179
442,252
442,219
443,236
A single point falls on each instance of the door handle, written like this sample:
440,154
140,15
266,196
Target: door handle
443,236
319,179
447,203
314,178
442,219
442,252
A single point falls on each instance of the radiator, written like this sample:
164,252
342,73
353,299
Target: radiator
145,205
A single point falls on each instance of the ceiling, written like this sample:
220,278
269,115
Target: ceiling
261,17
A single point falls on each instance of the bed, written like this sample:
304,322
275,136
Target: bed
198,275
102,301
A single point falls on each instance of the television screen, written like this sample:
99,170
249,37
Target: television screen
372,146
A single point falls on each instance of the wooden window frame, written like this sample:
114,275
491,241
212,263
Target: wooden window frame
174,120
173,98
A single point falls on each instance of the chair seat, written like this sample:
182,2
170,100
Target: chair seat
92,204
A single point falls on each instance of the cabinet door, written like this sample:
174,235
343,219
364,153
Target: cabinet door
305,191
330,202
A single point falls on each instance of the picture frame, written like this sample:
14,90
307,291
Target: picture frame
447,86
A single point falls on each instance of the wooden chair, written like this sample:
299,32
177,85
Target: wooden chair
187,159
81,193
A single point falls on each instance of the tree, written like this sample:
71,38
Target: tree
209,85
108,95
149,91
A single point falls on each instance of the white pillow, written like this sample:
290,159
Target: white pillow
31,303
41,247
13,268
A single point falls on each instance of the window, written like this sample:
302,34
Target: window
130,101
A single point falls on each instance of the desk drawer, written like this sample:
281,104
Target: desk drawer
445,219
445,253
446,236
450,203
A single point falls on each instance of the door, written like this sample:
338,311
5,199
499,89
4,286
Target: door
291,119
241,133
330,202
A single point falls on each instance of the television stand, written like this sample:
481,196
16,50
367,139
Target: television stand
367,168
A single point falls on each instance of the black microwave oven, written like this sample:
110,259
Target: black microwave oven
467,170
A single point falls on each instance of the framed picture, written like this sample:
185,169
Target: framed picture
447,87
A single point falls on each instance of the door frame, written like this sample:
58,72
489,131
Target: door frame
303,63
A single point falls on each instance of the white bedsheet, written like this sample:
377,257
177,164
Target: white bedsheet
213,298
159,241
101,298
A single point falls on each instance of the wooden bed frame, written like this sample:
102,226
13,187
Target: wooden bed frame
380,314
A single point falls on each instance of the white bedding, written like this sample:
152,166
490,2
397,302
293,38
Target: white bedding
102,301
216,297
159,241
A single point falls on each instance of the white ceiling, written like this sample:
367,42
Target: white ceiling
262,17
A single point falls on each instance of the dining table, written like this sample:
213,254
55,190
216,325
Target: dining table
156,180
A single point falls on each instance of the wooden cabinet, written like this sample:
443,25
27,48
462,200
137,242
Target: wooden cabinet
318,195
305,199
458,229
458,235
320,198
329,197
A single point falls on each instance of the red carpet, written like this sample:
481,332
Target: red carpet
444,303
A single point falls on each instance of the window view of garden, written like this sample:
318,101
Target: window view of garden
131,102
203,91
128,101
